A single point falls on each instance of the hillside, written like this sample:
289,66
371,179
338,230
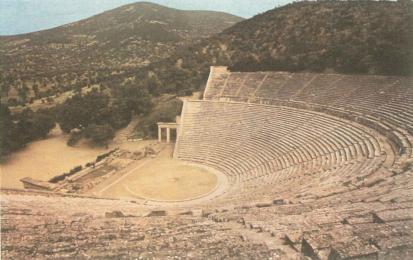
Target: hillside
362,37
365,37
332,37
86,52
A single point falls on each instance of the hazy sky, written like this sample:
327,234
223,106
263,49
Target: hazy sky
21,16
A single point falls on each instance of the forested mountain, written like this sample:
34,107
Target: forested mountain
87,52
354,37
366,37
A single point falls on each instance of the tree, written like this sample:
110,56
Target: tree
100,134
17,131
22,92
6,131
165,112
136,98
35,88
80,111
153,86
42,124
121,115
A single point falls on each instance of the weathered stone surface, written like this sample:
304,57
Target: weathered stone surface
311,174
114,214
157,213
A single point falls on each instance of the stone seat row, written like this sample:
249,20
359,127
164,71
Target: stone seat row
372,221
27,234
296,181
387,97
272,138
399,139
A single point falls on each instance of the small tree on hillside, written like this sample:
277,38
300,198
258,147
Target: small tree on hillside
100,134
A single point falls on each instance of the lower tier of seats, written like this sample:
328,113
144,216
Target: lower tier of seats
371,221
38,227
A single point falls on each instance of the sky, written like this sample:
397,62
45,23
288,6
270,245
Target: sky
22,16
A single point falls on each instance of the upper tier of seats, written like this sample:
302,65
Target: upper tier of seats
387,100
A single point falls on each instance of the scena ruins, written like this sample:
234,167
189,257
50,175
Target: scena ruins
215,142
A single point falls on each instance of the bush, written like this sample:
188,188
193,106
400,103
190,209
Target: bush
18,130
58,178
89,164
74,138
100,134
63,176
103,156
76,169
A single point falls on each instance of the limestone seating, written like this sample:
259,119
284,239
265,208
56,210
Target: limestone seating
250,85
357,226
295,145
310,181
384,98
233,84
215,148
293,84
216,81
396,136
319,167
28,233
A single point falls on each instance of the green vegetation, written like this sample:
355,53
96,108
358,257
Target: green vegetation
366,37
98,49
165,111
100,134
74,138
18,130
96,115
63,176
131,62
355,37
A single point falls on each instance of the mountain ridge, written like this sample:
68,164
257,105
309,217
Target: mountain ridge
85,52
323,37
142,4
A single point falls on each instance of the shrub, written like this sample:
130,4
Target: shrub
103,156
76,169
74,138
63,176
100,134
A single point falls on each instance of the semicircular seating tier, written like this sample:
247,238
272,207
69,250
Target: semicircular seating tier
383,103
318,166
265,150
332,152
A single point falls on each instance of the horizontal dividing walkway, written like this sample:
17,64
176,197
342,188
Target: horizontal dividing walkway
264,145
386,98
309,166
